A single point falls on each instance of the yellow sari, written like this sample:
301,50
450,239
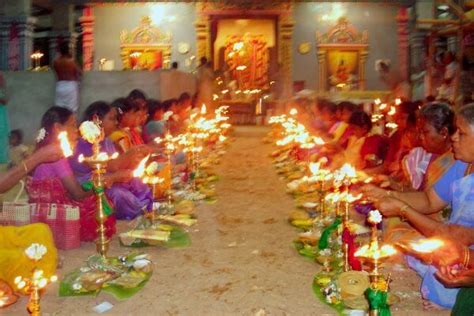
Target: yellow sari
13,243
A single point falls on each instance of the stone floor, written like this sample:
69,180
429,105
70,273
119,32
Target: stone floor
241,261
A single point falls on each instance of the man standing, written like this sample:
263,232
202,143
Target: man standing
68,75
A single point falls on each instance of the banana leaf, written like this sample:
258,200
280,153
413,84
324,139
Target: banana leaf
307,252
179,238
317,289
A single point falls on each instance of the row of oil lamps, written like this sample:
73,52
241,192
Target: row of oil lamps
295,134
200,129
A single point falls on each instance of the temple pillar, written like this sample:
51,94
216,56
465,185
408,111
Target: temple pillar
322,80
16,35
87,21
203,36
285,31
403,43
362,61
4,38
417,51
453,44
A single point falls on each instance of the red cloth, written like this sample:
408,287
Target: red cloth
348,239
52,191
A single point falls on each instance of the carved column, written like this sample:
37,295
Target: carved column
323,70
362,61
4,37
87,21
285,28
203,46
403,42
453,44
417,50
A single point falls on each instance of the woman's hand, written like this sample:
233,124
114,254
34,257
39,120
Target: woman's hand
373,192
120,176
463,278
449,254
389,207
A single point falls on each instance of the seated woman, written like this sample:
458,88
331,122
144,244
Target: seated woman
454,188
55,182
128,114
130,196
425,165
360,145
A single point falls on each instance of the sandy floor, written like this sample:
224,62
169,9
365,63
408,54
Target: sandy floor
241,260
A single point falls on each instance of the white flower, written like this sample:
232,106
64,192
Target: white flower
375,217
90,131
41,135
76,286
167,115
36,251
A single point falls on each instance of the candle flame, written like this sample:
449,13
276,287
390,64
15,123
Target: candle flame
398,101
293,111
64,143
383,106
348,171
374,251
377,101
314,167
203,109
392,111
426,245
140,170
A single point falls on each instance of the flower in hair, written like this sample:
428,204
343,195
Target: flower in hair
41,135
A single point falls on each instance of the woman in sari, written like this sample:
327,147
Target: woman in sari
128,114
130,196
425,165
4,125
455,188
55,182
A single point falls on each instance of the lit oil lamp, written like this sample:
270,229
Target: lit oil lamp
373,252
33,286
92,133
37,282
377,293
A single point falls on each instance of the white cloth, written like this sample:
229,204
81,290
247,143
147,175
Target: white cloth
416,164
67,95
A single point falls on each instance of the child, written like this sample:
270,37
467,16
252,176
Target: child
18,150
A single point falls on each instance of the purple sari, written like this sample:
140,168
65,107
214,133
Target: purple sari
129,199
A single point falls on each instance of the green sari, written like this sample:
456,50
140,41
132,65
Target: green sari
4,130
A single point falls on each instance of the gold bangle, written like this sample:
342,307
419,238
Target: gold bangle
25,167
403,212
466,257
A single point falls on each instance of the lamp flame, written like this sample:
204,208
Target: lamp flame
203,109
64,143
426,245
293,111
140,171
